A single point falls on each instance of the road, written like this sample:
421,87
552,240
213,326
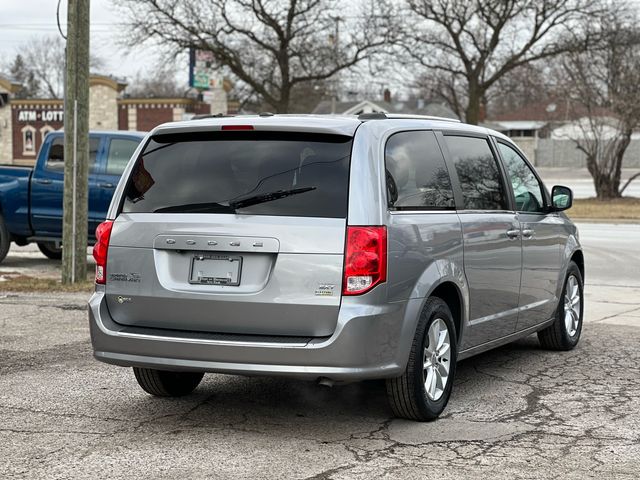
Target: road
581,182
583,188
516,412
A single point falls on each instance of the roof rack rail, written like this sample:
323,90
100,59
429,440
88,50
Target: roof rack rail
372,116
209,115
266,114
403,116
409,116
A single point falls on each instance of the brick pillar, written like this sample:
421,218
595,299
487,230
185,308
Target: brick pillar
132,117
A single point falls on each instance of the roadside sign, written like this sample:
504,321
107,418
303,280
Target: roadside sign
202,73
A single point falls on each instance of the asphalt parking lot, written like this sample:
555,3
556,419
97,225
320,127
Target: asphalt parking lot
516,412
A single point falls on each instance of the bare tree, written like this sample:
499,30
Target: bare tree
304,98
529,84
41,63
446,87
159,82
472,44
602,83
45,58
273,46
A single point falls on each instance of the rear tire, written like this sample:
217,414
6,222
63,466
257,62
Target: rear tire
5,239
423,391
162,383
50,250
564,332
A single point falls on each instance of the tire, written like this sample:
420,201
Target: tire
407,394
564,332
161,383
50,250
5,239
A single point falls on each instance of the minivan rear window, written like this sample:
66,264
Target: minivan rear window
246,173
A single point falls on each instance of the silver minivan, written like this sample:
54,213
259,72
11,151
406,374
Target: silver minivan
334,249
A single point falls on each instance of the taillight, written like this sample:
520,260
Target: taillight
103,234
365,259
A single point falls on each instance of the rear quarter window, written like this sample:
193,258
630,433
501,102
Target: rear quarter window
245,173
416,174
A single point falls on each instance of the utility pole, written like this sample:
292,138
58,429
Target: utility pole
76,144
336,50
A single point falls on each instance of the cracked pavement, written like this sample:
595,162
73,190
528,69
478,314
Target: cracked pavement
515,412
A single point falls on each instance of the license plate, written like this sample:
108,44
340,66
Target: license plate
215,270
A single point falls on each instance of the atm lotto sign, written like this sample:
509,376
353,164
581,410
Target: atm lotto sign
41,115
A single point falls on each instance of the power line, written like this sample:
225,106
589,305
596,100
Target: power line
58,20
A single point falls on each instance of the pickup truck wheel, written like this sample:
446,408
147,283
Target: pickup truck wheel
5,239
423,390
160,383
50,250
564,332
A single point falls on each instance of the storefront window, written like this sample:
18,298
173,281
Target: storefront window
28,140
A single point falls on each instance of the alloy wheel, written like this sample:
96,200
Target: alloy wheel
572,306
437,359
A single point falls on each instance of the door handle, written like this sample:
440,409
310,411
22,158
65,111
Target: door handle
43,181
513,234
106,185
527,233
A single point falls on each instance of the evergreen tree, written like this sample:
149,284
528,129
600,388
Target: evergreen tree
20,72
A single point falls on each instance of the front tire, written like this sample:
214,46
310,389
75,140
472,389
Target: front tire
564,332
50,250
423,390
5,239
160,383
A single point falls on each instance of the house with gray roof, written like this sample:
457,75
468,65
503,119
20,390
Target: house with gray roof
413,106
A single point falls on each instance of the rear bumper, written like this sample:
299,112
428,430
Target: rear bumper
369,342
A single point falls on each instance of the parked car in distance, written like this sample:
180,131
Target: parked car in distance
31,198
332,249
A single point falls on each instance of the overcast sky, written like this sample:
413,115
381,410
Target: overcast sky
22,19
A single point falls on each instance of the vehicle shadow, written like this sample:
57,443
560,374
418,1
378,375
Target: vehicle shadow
270,404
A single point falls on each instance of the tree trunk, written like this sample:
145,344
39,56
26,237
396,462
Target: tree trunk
607,187
604,163
472,113
607,180
282,106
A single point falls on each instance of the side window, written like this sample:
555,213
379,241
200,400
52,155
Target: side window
416,174
120,151
526,188
478,173
55,160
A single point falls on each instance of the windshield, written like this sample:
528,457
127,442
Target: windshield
245,173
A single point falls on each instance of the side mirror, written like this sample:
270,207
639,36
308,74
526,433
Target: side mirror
561,198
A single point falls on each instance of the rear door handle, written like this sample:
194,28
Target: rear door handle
106,185
42,181
513,234
527,233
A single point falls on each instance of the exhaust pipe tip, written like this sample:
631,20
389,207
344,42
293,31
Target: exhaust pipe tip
326,382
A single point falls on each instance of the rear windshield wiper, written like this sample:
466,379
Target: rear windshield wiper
268,197
196,208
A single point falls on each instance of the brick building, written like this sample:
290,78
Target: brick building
25,122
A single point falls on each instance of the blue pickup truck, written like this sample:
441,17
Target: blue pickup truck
31,198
